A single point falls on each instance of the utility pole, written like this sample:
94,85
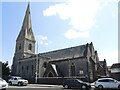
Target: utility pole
36,72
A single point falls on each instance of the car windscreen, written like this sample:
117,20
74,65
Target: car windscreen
20,78
80,81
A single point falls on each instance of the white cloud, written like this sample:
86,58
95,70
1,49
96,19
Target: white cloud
111,57
81,14
114,14
46,44
73,34
42,40
107,2
40,37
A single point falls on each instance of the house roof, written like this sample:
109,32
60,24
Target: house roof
116,65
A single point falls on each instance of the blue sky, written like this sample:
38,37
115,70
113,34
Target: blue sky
58,25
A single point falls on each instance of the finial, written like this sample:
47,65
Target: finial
91,43
28,1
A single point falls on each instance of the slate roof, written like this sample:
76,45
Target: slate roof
66,53
78,51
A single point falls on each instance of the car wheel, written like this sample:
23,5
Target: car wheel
4,89
10,83
100,87
19,84
25,84
66,86
84,87
119,87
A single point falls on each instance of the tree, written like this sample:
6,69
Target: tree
5,69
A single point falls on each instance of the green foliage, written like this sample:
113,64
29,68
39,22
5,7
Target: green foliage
5,69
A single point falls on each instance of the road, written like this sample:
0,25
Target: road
42,87
38,87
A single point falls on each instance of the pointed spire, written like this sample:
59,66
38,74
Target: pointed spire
27,19
26,30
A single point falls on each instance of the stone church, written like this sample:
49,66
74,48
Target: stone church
80,61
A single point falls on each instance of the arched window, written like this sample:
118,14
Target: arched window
72,69
22,71
30,47
32,70
50,74
22,68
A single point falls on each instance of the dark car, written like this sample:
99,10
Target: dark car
76,83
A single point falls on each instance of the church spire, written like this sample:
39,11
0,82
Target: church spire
26,30
25,43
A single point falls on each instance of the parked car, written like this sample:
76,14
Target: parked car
76,83
17,81
3,84
107,83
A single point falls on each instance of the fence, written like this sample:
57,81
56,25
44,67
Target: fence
54,80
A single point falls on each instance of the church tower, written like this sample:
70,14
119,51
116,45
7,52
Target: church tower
25,43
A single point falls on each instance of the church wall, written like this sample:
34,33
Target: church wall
80,65
41,67
64,67
27,68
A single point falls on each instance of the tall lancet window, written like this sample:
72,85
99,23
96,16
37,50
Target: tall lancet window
30,47
72,69
32,68
22,71
19,46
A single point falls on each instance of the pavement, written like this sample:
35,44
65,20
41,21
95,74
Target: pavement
44,85
37,86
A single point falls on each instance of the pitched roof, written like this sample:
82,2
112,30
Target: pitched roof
116,65
26,30
78,51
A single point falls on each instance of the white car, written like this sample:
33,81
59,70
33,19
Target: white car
107,83
3,84
17,81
